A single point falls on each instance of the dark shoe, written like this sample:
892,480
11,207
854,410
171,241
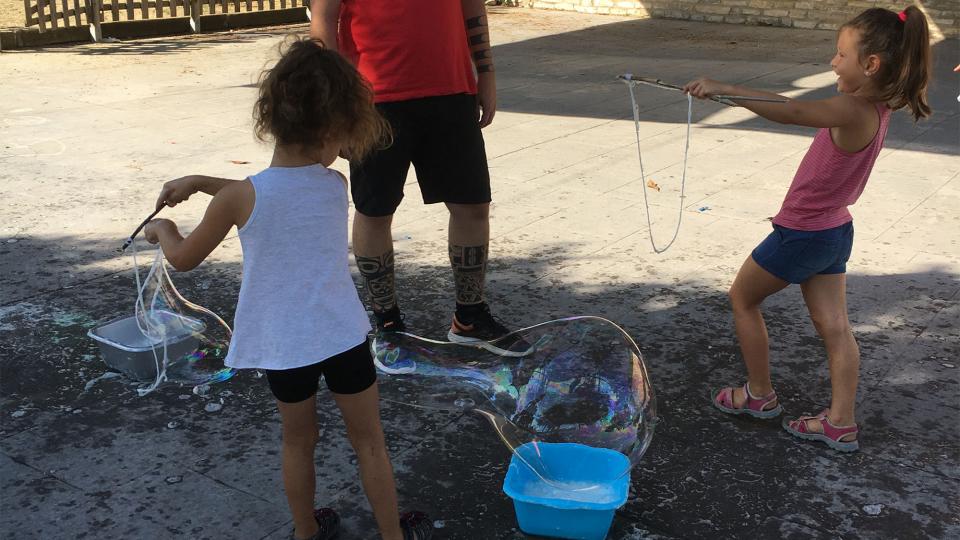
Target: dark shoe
416,526
390,320
476,325
329,523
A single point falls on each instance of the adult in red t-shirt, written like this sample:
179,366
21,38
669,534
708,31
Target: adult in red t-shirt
431,69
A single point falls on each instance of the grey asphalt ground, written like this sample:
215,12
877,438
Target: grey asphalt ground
89,132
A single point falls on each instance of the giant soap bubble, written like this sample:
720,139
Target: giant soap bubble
577,380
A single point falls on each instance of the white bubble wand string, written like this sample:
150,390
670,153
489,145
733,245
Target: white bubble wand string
632,82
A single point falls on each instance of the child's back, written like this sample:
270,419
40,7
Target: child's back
298,303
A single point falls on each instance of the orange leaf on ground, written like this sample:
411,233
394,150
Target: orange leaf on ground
239,161
653,185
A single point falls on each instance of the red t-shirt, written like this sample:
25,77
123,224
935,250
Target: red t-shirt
408,49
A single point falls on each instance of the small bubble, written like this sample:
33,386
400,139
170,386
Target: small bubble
213,407
464,403
174,479
873,509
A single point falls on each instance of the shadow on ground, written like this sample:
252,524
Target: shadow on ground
94,450
547,76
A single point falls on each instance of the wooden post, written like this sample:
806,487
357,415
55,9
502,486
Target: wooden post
94,11
195,15
26,12
52,4
41,13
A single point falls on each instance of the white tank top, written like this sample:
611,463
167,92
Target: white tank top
298,305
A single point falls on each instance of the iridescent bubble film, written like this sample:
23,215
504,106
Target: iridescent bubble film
189,341
577,380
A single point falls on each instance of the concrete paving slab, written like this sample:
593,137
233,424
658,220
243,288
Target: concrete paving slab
81,160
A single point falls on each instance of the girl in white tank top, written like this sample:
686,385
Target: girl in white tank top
298,315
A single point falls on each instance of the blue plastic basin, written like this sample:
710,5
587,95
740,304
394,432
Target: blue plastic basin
549,509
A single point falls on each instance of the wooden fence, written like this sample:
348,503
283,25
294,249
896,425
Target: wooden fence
53,14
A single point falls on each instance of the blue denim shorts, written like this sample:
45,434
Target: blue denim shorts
796,256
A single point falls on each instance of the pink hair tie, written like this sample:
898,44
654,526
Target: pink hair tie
903,16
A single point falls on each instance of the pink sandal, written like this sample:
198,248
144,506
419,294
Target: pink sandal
831,434
754,406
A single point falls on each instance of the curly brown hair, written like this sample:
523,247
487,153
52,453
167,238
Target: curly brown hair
313,94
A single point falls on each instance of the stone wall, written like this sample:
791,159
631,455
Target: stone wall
820,14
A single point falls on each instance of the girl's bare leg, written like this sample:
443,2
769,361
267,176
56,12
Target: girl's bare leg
299,476
752,285
825,295
361,413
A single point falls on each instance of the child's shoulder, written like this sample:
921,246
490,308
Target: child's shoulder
238,190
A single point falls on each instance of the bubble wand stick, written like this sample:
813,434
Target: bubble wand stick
128,241
723,99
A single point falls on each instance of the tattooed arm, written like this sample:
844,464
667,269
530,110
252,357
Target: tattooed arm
475,21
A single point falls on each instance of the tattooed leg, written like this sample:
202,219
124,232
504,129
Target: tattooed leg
378,277
469,270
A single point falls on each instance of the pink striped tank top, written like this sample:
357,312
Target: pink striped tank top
830,179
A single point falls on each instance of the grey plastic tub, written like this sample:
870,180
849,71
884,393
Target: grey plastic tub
128,350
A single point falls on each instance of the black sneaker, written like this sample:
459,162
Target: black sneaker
390,320
416,526
486,331
329,523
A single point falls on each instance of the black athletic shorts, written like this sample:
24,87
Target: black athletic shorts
349,372
441,136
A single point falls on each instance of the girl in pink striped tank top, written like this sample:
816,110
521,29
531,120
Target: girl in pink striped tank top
882,65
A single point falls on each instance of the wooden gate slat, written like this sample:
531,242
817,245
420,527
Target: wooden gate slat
76,11
173,8
65,12
41,14
130,6
53,14
115,11
145,8
249,5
